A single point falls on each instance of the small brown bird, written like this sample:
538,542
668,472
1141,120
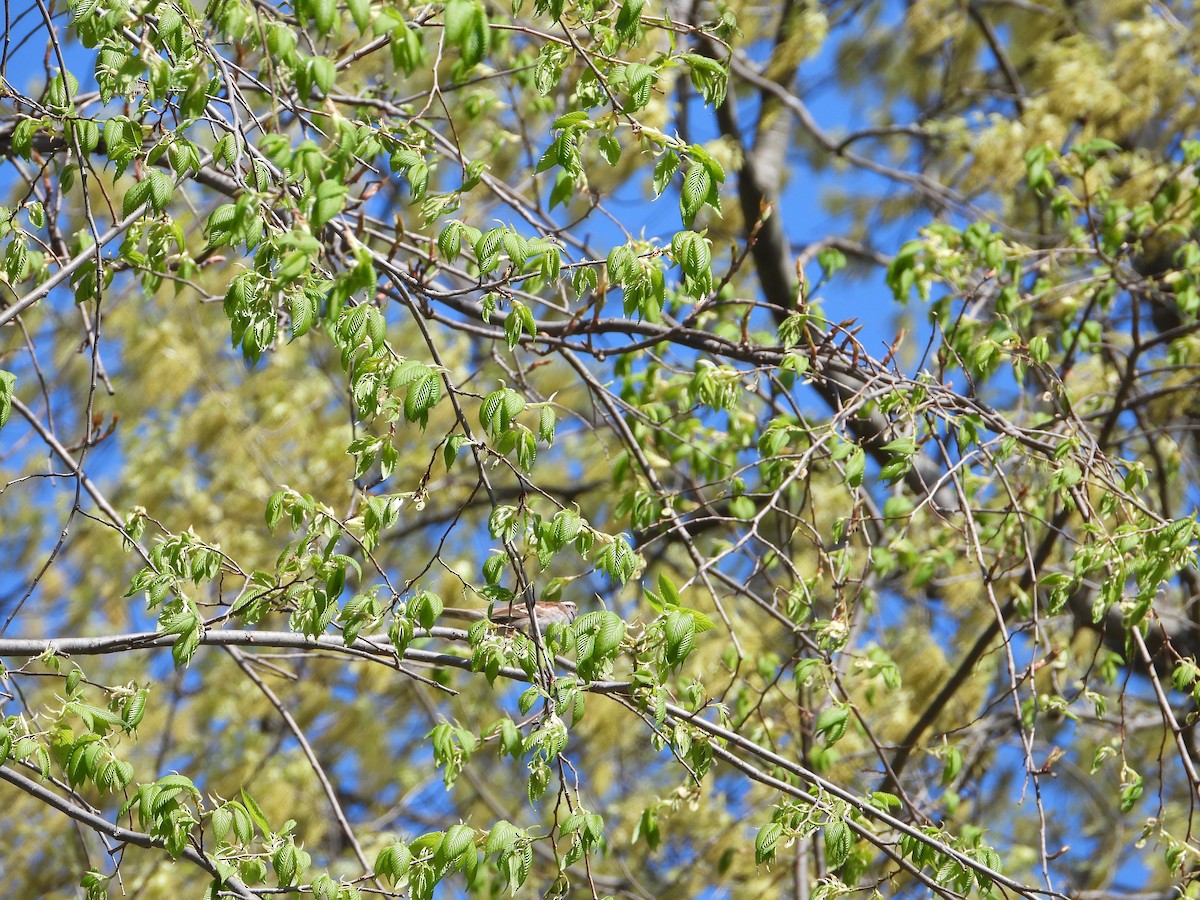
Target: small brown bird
516,615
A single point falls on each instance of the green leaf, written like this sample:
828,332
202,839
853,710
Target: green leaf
640,78
183,156
512,404
392,863
467,29
136,197
322,70
693,254
664,171
450,240
423,395
329,199
526,450
408,50
901,447
571,119
303,309
831,723
680,631
565,527
360,12
709,77
425,608
856,466
610,148
61,94
255,812
87,133
82,10
546,422
7,384
697,185
324,13
459,840
621,263
22,136
457,19
838,842
618,560
450,451
406,372
548,68
161,188
628,19
766,841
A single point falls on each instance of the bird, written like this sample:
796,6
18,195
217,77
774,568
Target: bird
516,615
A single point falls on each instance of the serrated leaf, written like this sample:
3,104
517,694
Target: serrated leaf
323,72
303,309
137,196
901,446
360,12
628,18
458,840
567,120
324,13
330,197
450,240
679,631
489,412
640,78
526,450
546,421
838,842
831,723
7,383
513,404
255,812
565,527
610,148
765,842
467,29
609,634
422,396
856,466
697,184
83,9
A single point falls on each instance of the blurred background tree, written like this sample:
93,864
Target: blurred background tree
834,358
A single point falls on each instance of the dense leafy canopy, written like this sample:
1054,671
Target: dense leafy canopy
837,360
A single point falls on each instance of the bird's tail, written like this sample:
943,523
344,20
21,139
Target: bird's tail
463,615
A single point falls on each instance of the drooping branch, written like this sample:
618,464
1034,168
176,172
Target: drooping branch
378,648
118,833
